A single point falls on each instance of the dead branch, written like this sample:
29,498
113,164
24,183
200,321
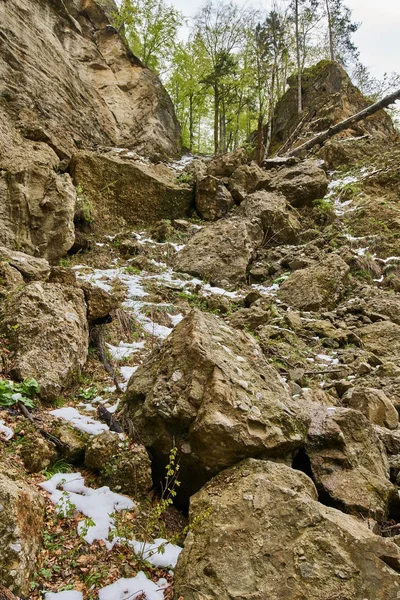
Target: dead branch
52,438
322,137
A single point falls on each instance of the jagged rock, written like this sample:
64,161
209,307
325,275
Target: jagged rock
381,338
10,278
301,184
21,527
258,314
374,404
47,329
221,252
213,200
101,449
390,439
328,98
99,302
62,275
122,468
37,204
348,461
161,231
29,266
139,193
82,87
74,441
262,534
226,164
279,221
37,453
246,180
318,287
210,392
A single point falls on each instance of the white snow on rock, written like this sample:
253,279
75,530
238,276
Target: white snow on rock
81,422
68,491
67,595
6,433
133,588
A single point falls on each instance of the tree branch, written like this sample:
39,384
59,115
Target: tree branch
322,137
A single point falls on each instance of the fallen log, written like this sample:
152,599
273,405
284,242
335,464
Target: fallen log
322,137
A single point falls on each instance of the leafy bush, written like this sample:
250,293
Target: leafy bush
11,392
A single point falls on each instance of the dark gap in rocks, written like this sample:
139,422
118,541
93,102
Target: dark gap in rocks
301,462
393,519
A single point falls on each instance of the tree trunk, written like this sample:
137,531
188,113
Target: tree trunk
260,136
299,93
191,125
331,48
270,111
216,118
321,138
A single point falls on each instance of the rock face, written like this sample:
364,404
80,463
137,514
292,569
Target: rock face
328,98
88,88
74,85
265,535
316,287
47,329
21,526
129,192
210,392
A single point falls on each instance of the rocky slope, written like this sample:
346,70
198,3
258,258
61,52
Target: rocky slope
244,365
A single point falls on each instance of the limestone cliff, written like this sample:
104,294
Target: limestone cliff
67,81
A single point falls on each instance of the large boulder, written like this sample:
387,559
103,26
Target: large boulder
348,462
374,404
302,183
28,266
37,205
210,392
213,200
317,287
279,220
129,191
21,527
221,252
382,338
262,534
226,164
47,330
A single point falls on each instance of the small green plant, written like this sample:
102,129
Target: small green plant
323,210
185,178
132,270
60,466
64,262
11,393
88,394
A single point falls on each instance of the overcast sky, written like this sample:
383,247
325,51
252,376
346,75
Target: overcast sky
378,38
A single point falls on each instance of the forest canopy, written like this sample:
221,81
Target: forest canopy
227,76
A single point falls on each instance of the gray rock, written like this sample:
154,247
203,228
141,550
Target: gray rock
210,392
262,534
47,329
